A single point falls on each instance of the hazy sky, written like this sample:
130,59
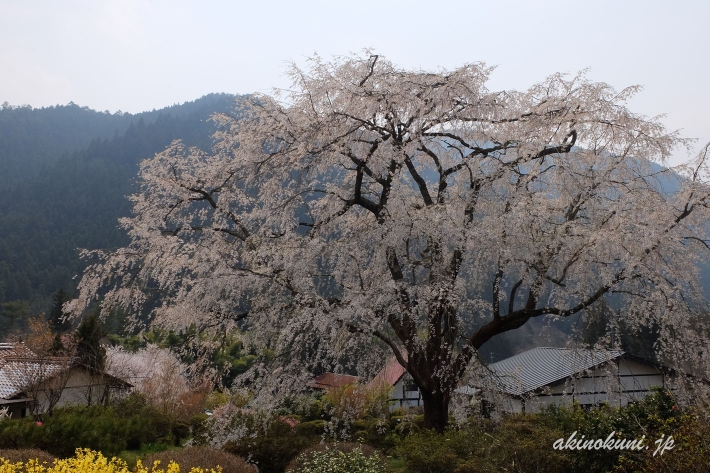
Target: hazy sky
139,55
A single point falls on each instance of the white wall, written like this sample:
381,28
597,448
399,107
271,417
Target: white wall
616,384
81,387
404,398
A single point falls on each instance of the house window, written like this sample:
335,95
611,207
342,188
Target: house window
409,384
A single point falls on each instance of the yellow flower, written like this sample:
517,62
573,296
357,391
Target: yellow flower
88,461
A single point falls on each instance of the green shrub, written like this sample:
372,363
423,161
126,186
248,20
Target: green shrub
655,415
273,449
525,441
521,443
430,452
108,429
20,434
690,453
311,429
375,432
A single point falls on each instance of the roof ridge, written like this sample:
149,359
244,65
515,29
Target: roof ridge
540,365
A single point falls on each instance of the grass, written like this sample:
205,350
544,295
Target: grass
396,465
131,457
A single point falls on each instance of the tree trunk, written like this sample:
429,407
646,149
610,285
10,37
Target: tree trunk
436,410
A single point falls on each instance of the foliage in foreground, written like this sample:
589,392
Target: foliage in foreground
22,455
516,443
690,455
89,461
108,429
522,443
338,460
202,457
272,449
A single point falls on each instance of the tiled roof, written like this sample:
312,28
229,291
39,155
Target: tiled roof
15,350
20,366
15,375
332,380
8,387
539,367
390,374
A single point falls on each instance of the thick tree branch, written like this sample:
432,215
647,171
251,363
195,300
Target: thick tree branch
419,180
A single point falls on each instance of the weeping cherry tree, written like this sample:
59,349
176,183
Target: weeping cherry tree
371,211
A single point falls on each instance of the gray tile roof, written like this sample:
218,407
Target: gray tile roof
15,375
15,350
20,366
539,367
8,387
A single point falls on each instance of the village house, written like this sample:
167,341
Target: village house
34,385
404,391
532,380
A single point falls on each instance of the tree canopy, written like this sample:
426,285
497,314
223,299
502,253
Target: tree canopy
371,211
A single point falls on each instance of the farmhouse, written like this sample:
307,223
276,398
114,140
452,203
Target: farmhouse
531,380
404,391
32,384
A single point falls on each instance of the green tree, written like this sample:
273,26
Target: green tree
90,351
14,315
58,321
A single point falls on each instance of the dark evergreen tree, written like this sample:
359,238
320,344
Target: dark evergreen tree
89,351
58,321
13,317
57,348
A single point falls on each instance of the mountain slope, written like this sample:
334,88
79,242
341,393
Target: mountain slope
53,205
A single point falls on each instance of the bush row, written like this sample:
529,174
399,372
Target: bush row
518,443
108,429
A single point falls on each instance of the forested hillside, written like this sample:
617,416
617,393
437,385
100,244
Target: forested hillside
66,173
